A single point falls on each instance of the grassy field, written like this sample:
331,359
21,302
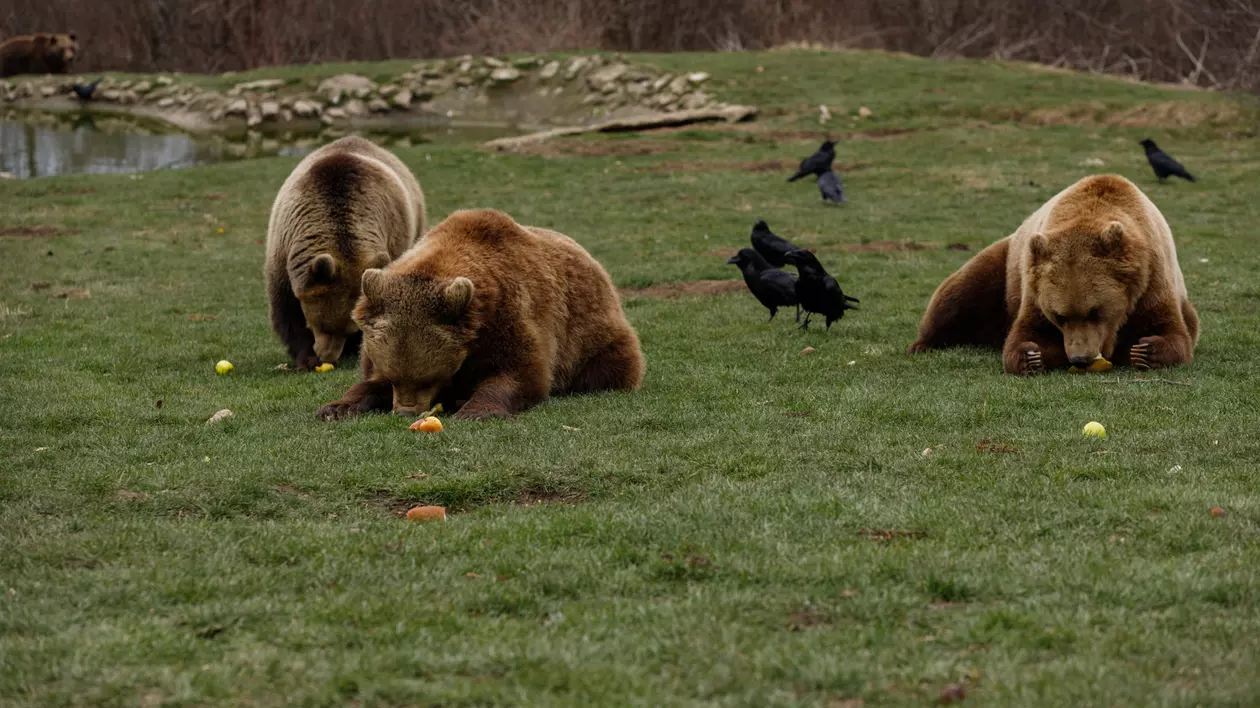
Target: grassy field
754,527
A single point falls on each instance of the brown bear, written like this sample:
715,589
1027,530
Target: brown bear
1091,273
346,207
43,53
489,318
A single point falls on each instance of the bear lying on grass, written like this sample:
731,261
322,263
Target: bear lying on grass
491,314
1092,272
43,53
346,207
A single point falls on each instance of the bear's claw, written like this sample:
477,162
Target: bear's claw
335,411
1032,362
1142,356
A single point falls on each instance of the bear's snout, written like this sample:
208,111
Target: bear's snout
1082,361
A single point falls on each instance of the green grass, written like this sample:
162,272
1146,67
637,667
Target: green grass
708,540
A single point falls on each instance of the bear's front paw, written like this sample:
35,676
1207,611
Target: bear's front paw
919,347
336,411
482,413
1024,360
1147,353
306,361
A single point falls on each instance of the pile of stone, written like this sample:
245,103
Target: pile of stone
592,87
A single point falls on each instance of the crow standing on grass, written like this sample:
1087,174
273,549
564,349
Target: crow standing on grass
818,292
829,186
772,287
1162,163
817,163
771,247
85,91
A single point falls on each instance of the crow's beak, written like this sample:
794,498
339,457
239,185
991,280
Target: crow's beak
732,260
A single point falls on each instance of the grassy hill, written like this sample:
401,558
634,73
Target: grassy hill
754,527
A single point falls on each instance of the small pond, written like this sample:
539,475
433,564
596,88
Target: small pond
43,145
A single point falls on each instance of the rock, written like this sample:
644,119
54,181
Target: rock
464,66
387,90
124,85
602,78
286,115
270,109
110,95
164,81
637,90
378,105
494,63
219,416
505,75
253,117
142,87
592,99
694,100
216,114
864,112
661,82
549,70
239,107
48,91
166,102
463,81
697,77
575,67
678,85
335,87
402,99
525,62
335,114
355,108
259,85
128,96
304,108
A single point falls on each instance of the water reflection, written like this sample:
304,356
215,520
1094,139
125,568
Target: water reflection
43,146
31,150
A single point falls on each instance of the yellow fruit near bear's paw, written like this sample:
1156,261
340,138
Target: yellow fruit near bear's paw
427,425
223,367
1097,366
324,368
1094,429
426,513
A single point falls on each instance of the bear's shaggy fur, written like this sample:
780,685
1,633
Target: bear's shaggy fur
43,53
1092,272
489,318
346,207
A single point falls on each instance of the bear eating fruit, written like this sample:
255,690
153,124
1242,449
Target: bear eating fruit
1092,272
346,207
489,318
43,53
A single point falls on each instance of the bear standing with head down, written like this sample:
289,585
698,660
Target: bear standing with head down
491,317
1091,273
346,207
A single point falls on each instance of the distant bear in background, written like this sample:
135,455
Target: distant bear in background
346,207
490,315
1092,272
43,53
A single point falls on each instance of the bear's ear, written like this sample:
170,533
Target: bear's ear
380,260
373,284
1111,239
1037,248
458,295
323,270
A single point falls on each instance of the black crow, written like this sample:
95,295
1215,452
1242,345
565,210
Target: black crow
771,247
772,287
85,91
818,292
817,163
1162,163
829,186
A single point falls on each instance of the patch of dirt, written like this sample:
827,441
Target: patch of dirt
291,490
30,232
1160,114
883,247
530,496
74,294
601,148
787,166
40,285
128,495
680,288
892,534
986,445
808,618
957,247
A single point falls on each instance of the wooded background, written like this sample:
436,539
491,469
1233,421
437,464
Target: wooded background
1203,42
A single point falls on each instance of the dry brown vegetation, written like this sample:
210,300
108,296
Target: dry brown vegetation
1202,42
